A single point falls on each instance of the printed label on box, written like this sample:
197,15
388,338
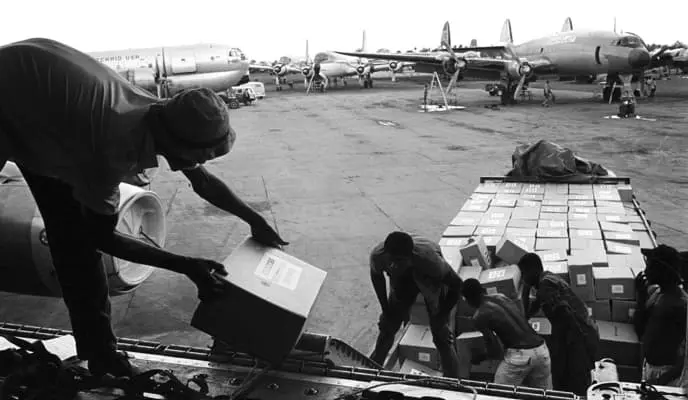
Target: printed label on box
617,289
424,357
623,236
491,290
536,326
488,231
619,249
416,372
276,270
492,275
475,262
580,280
612,218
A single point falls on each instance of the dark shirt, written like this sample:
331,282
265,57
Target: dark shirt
504,317
429,270
665,328
565,310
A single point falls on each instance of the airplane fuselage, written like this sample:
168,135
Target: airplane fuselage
585,52
217,67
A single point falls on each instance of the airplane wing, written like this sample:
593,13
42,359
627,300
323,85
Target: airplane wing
259,68
423,58
282,69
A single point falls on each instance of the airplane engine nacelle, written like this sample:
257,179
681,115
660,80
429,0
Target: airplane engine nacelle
363,69
142,77
517,70
395,66
306,71
279,70
450,66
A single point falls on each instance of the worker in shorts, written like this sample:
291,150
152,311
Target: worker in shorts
549,95
575,339
526,359
76,129
415,265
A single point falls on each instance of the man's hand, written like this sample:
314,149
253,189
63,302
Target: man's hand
265,235
204,273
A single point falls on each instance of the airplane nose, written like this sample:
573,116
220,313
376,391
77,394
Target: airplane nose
639,58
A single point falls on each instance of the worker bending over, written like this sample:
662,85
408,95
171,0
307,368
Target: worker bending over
574,341
76,129
413,265
526,357
660,317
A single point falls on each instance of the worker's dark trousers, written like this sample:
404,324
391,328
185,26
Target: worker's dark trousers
573,357
77,263
400,301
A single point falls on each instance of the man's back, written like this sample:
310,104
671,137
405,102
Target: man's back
504,317
666,327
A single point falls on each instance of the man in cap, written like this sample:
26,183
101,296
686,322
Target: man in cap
76,129
415,265
575,340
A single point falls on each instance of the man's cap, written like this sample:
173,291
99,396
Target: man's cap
198,118
472,288
398,243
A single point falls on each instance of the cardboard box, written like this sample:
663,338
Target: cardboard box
586,224
618,248
554,209
487,187
417,345
615,227
528,203
523,232
532,196
501,202
465,324
581,217
608,196
594,253
617,218
453,256
619,342
490,230
611,210
486,221
499,213
270,288
594,234
505,280
419,313
549,224
459,231
553,216
555,202
629,238
453,242
599,310
475,206
510,250
645,240
523,224
559,268
584,188
608,204
470,272
633,216
541,326
581,203
411,367
578,196
533,188
614,283
482,196
548,256
580,276
635,226
625,193
551,244
468,344
583,210
623,311
476,253
510,186
466,219
585,244
507,196
551,233
526,213
527,242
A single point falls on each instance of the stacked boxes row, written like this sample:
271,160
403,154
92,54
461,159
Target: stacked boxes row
590,234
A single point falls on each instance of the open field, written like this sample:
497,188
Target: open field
336,172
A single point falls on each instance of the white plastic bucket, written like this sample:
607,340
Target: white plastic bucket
25,262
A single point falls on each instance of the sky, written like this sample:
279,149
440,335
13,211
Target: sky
268,29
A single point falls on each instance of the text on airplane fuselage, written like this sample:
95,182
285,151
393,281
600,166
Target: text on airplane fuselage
562,39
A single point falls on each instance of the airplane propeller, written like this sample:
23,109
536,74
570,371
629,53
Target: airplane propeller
454,63
524,70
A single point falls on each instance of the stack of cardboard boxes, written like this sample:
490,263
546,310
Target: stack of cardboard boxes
590,234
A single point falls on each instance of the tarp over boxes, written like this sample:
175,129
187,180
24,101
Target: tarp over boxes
589,233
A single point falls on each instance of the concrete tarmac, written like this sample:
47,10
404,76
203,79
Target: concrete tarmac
336,172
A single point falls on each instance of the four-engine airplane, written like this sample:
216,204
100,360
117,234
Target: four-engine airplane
165,71
571,52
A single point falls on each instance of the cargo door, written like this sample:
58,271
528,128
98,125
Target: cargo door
182,64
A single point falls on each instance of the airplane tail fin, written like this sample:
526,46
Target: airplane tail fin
568,25
474,43
446,36
506,36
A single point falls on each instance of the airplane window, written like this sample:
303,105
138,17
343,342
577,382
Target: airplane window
630,41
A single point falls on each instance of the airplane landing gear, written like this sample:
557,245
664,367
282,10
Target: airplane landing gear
508,93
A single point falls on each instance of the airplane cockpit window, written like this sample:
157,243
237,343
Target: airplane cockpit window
321,57
633,42
237,53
